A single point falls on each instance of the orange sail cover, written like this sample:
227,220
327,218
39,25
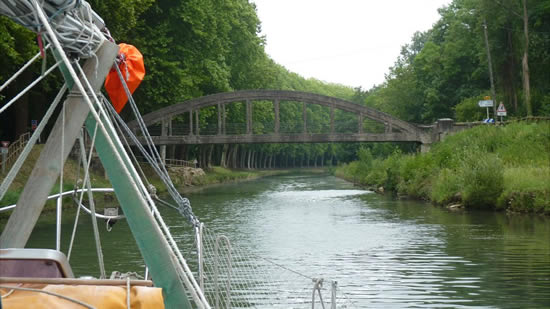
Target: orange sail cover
133,71
100,297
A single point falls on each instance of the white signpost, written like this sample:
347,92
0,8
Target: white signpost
501,111
486,103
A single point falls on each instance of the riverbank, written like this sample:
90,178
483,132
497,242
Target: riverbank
189,179
487,167
185,179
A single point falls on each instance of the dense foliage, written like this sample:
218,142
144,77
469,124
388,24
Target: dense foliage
444,71
502,167
198,47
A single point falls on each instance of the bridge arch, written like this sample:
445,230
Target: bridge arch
399,130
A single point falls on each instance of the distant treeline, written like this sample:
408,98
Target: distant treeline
199,47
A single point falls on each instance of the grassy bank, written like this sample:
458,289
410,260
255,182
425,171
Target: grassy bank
504,167
71,174
212,176
215,175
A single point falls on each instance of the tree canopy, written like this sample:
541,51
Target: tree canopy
194,48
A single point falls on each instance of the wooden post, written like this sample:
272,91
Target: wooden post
360,123
277,119
48,166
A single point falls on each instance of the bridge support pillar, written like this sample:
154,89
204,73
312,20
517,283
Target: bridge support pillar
165,130
443,128
249,123
277,119
191,122
332,120
304,112
223,120
197,127
219,119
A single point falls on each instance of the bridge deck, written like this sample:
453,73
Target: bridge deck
284,138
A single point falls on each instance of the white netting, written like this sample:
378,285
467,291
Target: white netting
236,278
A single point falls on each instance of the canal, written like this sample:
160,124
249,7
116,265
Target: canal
383,252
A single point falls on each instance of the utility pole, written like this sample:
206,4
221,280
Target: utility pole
490,63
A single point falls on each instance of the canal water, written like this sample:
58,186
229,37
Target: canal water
384,253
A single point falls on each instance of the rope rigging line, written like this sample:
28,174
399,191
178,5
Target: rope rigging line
61,170
21,93
30,144
23,68
152,156
229,276
77,216
76,301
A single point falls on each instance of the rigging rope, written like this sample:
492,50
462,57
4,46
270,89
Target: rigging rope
30,144
61,168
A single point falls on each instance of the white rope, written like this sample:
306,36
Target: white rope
128,292
20,94
186,274
76,301
70,192
91,201
6,183
23,68
60,199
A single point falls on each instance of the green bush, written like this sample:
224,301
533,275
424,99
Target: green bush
504,167
416,173
446,187
483,179
526,189
469,110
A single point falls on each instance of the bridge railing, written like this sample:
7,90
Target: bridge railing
296,127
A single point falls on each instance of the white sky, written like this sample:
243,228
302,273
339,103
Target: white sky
349,42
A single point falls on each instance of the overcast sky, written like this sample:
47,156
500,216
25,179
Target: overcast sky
350,42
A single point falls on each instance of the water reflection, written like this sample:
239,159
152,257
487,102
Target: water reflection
383,252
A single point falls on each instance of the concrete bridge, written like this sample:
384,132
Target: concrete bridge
387,127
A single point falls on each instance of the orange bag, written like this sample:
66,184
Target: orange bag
132,69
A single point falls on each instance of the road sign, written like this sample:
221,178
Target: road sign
5,143
489,120
501,110
485,103
3,150
34,124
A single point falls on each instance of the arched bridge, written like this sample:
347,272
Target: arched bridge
367,124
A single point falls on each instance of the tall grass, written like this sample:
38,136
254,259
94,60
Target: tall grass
498,167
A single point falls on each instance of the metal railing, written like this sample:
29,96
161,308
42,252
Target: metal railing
170,162
14,150
178,163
